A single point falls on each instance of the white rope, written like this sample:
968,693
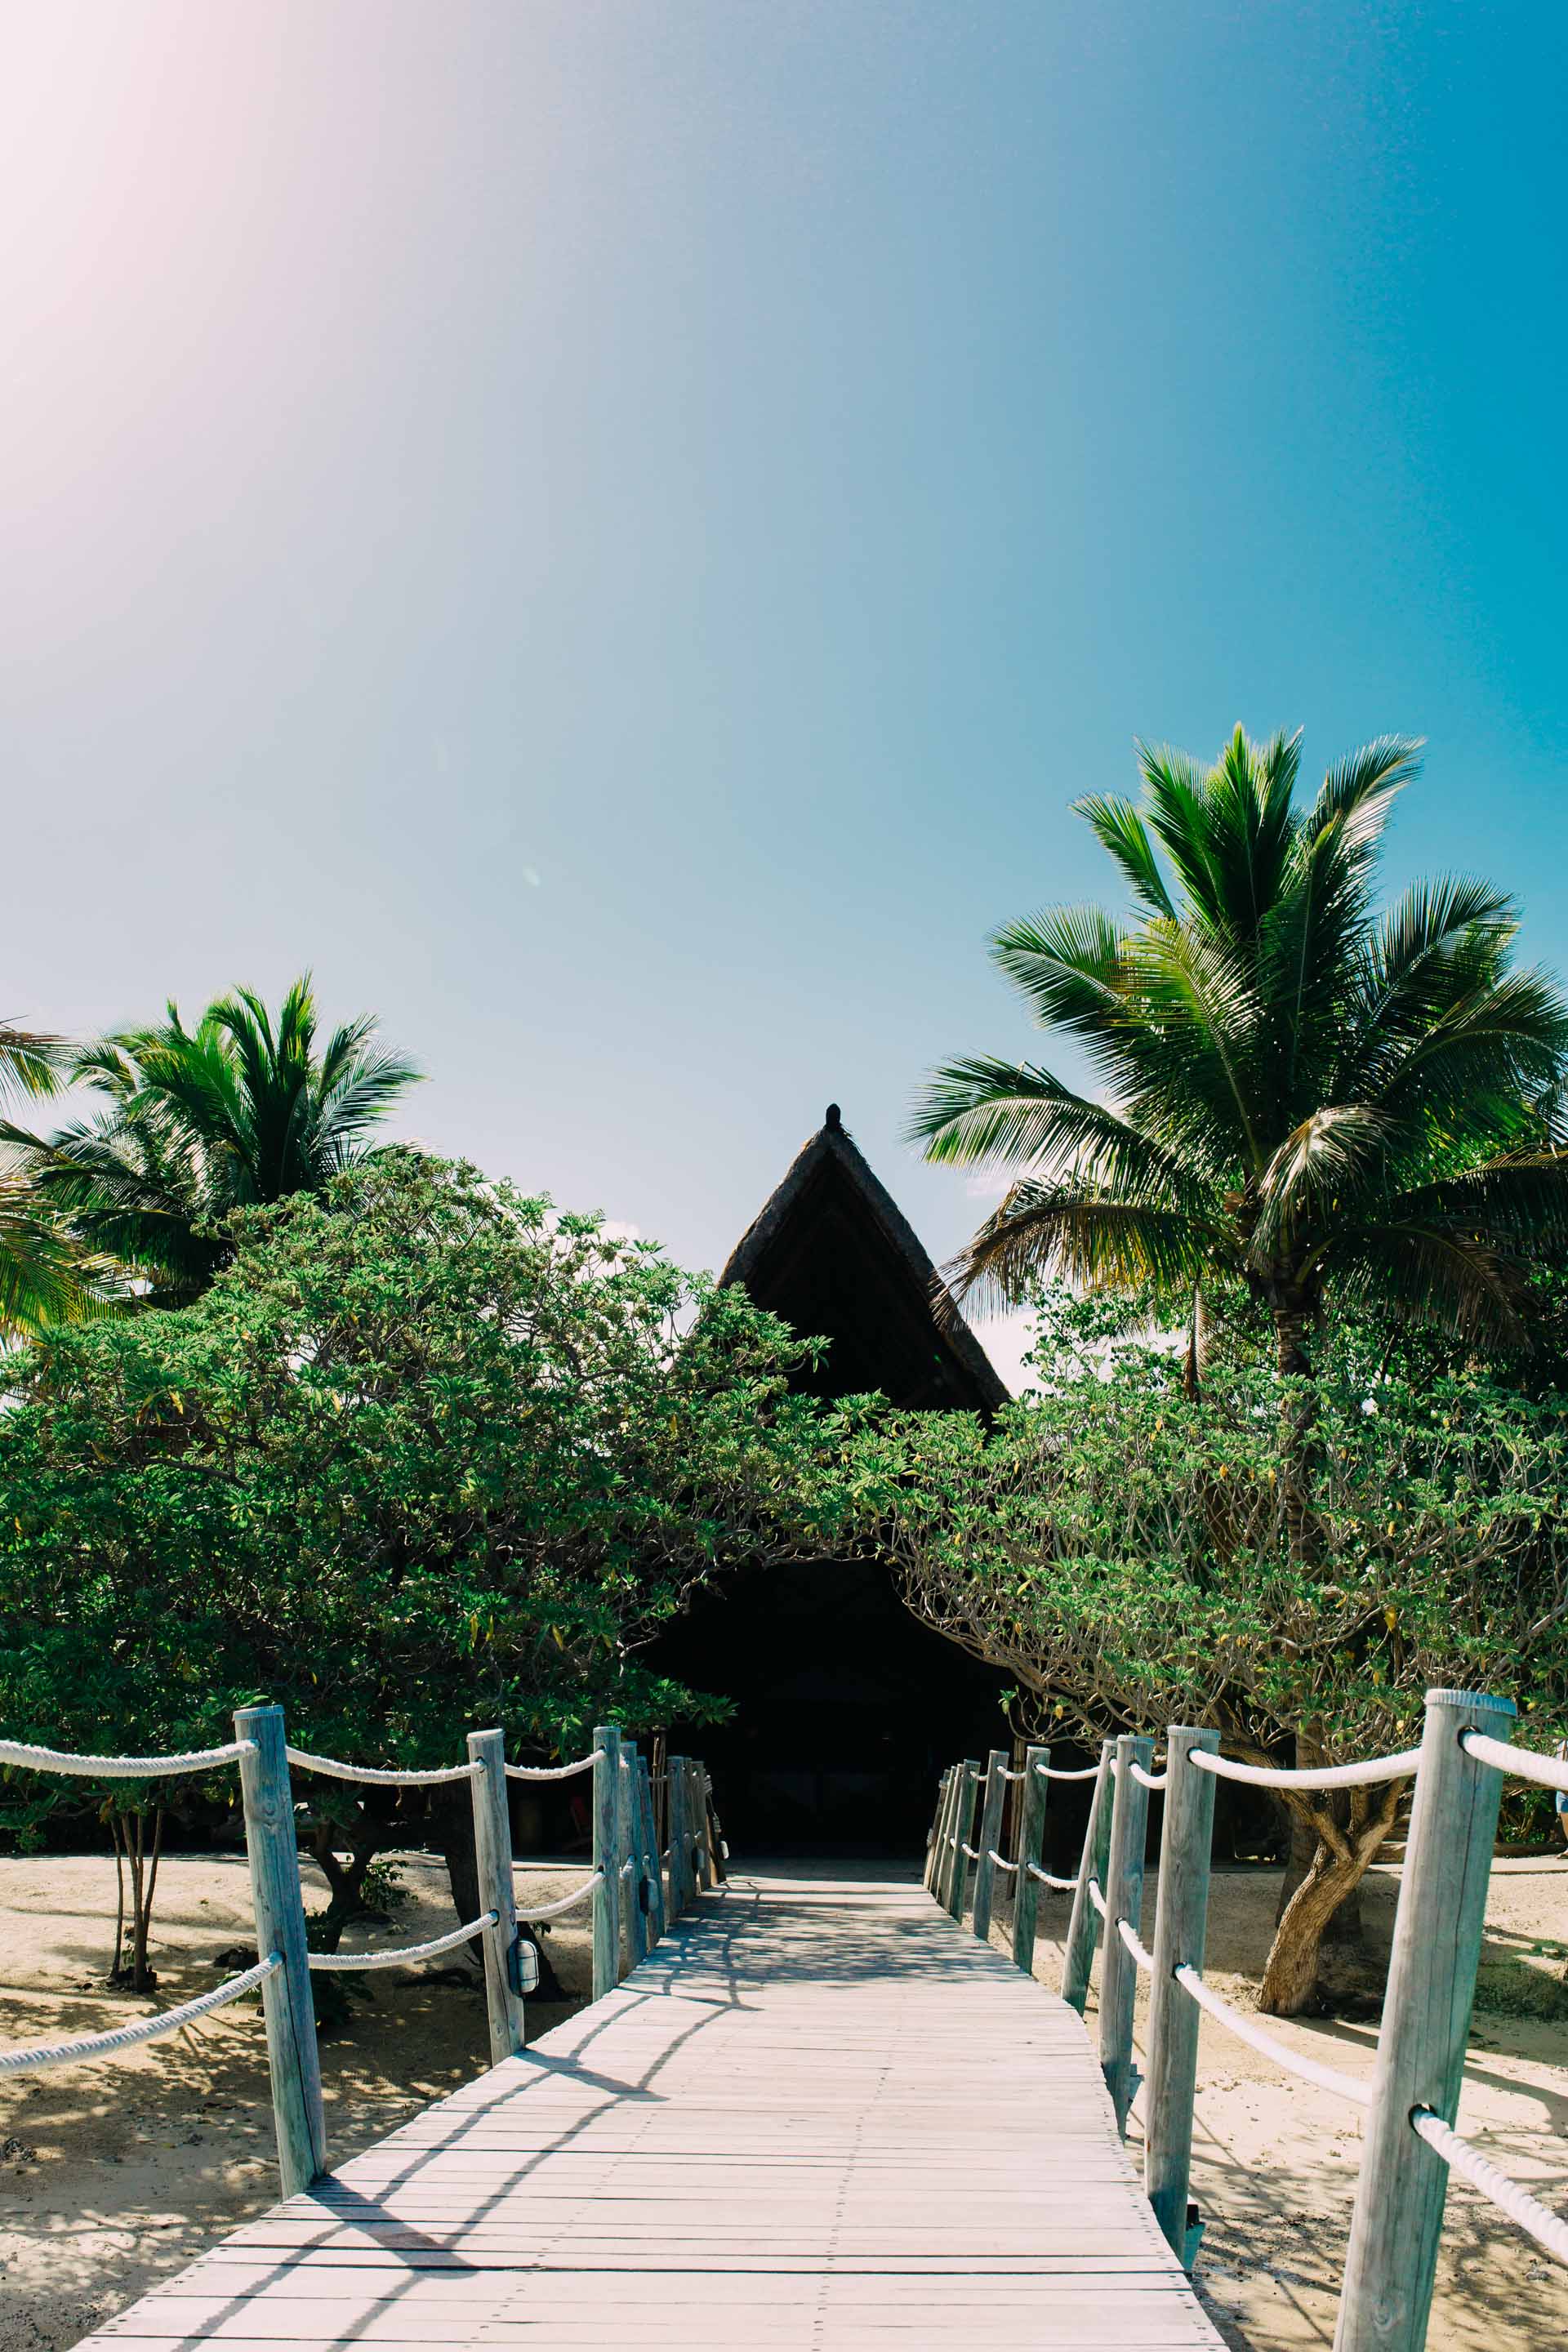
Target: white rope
406,1953
1050,1772
1508,2196
553,1910
1140,1951
1546,1771
1319,1776
1063,1885
1005,1775
1150,1780
147,2029
992,1855
554,1771
1328,2078
626,1869
970,1850
119,1768
336,1771
1095,1897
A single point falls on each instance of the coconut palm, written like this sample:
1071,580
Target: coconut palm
1325,1101
197,1122
39,1282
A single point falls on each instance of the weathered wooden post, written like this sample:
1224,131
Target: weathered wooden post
492,1852
933,1837
1186,1843
944,1850
286,1999
630,1843
1083,1926
962,1835
1393,2256
1123,1900
606,1861
990,1831
704,1816
650,1848
1031,1846
679,1841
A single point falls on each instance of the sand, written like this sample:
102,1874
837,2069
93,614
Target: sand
111,2175
115,2174
1276,2159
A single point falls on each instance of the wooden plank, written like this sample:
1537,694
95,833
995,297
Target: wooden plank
816,2115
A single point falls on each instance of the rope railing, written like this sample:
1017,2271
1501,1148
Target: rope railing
29,1758
382,1776
536,1911
554,1771
1294,2062
146,2028
1524,1763
626,1886
1509,2195
1061,1885
1317,1776
402,1956
1411,2099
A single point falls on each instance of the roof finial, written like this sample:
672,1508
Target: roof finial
835,1115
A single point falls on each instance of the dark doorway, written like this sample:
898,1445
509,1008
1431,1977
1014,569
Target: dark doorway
846,1709
846,1706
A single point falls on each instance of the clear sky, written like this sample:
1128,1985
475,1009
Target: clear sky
614,529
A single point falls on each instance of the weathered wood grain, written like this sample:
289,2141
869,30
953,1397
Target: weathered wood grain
818,2115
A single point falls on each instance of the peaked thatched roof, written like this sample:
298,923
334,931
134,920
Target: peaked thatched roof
834,1254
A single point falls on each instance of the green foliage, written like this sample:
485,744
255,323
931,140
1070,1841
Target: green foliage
426,1457
1124,1549
243,1109
1299,1095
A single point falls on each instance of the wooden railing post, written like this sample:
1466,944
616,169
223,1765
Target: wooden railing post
1083,1927
630,1843
1123,1900
1032,1797
492,1852
654,1866
680,1840
702,1812
273,1846
1438,1928
606,1861
941,1873
933,1838
1186,1843
964,1835
990,1831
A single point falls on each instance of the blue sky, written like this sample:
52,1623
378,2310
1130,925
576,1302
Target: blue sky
615,533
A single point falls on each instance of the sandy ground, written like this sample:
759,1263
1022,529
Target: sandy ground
114,2175
1276,2159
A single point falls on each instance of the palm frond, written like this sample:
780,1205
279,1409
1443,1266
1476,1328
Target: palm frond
1041,1229
1122,832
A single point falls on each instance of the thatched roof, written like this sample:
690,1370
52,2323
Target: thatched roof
834,1254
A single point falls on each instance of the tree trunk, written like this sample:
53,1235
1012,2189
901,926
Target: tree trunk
455,1831
143,1870
345,1886
1339,1863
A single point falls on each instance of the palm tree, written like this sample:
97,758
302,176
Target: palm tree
1325,1103
1320,1100
241,1109
39,1282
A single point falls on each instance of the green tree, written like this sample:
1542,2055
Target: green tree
426,1457
1324,1103
244,1109
1122,1549
42,1281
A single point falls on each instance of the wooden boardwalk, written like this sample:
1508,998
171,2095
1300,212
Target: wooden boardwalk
819,2116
